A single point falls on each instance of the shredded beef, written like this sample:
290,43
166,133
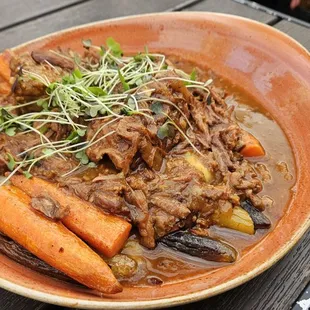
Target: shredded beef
153,184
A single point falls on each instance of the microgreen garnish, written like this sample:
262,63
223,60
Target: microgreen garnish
82,157
87,43
193,75
11,163
11,131
27,174
110,89
166,131
157,107
122,79
115,47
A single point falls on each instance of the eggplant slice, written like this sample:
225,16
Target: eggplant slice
260,220
203,247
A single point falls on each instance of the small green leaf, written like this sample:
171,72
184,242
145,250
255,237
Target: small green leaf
146,49
193,75
115,47
131,103
79,155
48,152
122,79
93,111
126,111
87,43
77,73
166,131
138,57
72,135
103,111
92,165
11,164
84,160
40,102
157,107
139,82
43,129
82,157
81,132
68,79
147,78
97,91
27,174
11,131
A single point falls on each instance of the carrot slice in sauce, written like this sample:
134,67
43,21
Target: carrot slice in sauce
252,147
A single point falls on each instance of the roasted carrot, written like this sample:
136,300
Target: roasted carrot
104,232
252,147
52,242
5,73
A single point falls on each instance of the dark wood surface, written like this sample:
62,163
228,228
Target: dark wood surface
279,287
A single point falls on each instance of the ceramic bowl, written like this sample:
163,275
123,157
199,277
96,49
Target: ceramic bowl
271,66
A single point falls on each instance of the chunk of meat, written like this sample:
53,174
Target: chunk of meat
130,136
27,86
45,57
49,207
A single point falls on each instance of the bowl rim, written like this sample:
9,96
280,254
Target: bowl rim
170,301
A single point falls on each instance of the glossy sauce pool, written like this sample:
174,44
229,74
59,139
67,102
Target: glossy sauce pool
163,265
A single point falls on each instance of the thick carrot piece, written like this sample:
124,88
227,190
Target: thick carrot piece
252,147
104,232
52,242
5,73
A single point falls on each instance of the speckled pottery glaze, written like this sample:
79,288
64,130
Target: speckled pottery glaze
266,63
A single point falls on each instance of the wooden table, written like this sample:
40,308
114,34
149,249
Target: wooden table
278,288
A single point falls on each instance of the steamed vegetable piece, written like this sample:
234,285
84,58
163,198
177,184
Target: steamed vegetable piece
123,266
202,247
259,219
104,232
238,219
53,243
194,161
252,147
22,256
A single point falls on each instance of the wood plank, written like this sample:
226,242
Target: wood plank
10,301
16,11
299,33
80,14
303,301
231,7
277,288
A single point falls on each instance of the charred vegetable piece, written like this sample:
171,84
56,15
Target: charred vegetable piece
20,255
238,219
203,247
260,220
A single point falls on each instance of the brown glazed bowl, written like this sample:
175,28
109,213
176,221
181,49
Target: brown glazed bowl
266,63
